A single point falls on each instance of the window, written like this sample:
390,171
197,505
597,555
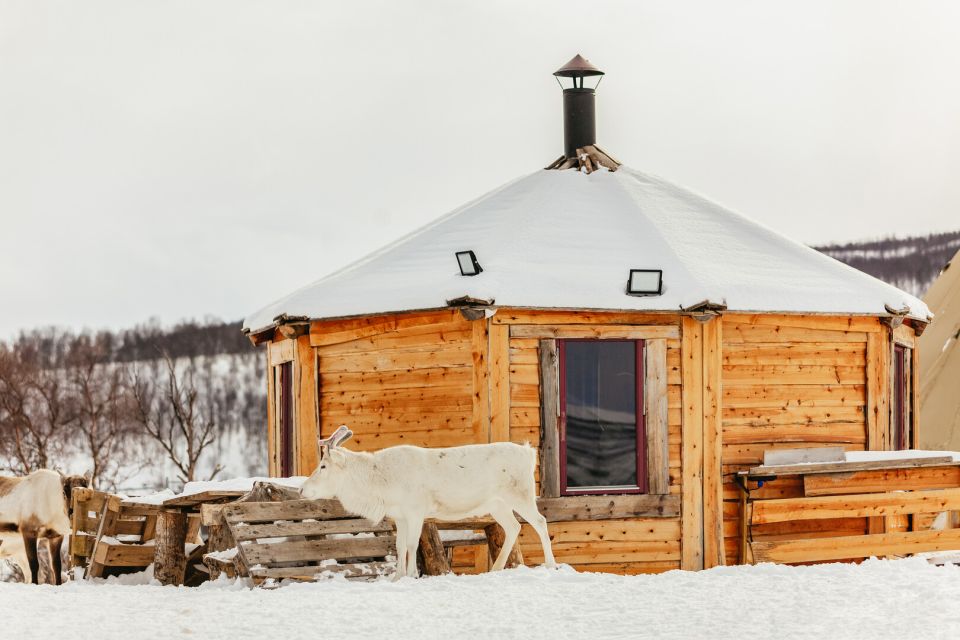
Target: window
902,422
602,439
283,384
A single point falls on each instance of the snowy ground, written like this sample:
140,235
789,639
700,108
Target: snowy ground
878,599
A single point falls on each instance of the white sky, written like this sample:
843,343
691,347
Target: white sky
179,158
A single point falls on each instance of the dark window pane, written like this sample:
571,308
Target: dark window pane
601,413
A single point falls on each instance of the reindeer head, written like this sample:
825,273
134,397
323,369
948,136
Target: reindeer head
325,479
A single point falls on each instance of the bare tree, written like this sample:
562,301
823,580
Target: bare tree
172,416
35,410
104,413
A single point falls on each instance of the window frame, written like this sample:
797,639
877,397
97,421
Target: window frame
902,424
643,481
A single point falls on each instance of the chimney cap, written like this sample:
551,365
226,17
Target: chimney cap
577,67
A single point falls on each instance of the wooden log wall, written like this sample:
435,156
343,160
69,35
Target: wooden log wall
737,385
409,380
788,382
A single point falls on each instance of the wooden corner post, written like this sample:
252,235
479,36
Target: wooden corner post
701,525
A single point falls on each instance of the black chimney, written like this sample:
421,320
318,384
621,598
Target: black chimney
579,115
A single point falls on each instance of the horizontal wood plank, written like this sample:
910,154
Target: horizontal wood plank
848,467
609,332
858,505
852,547
883,480
317,550
325,527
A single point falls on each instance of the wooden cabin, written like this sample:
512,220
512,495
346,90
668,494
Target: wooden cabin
648,342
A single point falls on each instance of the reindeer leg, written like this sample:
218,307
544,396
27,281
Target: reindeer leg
401,549
414,525
511,529
528,510
30,548
56,542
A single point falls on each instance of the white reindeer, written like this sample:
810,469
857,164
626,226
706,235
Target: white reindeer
36,504
409,484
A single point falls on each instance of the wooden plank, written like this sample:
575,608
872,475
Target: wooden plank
202,497
308,420
499,383
752,375
692,445
433,439
572,508
773,457
879,481
242,531
843,432
849,547
713,550
526,316
805,321
658,427
821,395
287,510
398,360
124,555
316,550
412,339
856,506
596,331
360,570
398,419
280,352
549,419
878,391
324,333
735,332
445,377
795,355
481,381
793,415
848,467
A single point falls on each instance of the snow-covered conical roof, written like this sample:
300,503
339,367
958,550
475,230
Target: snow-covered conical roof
566,239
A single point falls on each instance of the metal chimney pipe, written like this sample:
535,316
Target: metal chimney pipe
579,120
579,112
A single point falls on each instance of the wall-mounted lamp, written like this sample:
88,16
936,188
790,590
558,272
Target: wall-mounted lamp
468,263
645,282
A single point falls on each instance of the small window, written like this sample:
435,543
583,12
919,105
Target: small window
902,398
602,440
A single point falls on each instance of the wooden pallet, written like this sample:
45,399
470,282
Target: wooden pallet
302,539
123,534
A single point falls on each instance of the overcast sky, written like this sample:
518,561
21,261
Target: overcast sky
184,158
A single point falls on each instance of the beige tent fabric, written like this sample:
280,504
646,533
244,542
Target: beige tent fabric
940,364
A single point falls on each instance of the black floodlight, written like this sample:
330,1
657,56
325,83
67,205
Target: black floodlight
468,263
645,282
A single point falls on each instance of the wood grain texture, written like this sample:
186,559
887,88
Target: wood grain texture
499,383
852,547
657,418
692,445
881,481
549,420
857,505
713,549
586,331
481,381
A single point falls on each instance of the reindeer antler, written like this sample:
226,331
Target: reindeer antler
341,435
